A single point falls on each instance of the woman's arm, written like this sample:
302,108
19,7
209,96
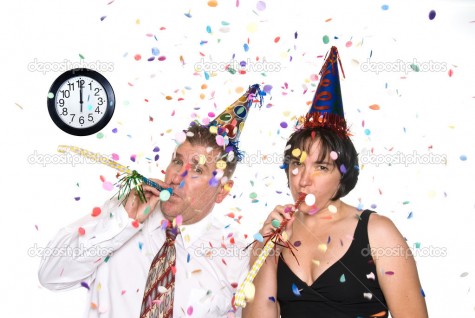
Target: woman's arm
396,269
265,282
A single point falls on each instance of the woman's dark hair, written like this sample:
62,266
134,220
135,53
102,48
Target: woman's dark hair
346,163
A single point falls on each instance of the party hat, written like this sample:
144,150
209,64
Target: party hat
327,105
230,123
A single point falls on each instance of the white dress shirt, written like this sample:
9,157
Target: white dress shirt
111,255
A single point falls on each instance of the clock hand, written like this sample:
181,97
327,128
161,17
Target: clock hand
80,95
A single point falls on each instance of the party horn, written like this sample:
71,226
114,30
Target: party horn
240,297
132,178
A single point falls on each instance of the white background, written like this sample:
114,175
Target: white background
425,116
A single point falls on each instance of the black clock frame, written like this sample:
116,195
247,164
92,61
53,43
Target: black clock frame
109,108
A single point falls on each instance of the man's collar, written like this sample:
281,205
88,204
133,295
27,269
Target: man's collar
189,233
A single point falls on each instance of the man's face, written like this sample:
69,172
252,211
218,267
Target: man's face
189,173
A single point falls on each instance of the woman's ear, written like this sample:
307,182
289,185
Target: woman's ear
225,189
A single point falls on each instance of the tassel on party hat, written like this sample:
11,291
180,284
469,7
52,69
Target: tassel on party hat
327,105
229,124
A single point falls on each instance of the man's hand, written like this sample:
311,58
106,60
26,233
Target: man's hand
141,210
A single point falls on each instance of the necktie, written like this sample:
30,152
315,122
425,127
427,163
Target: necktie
158,303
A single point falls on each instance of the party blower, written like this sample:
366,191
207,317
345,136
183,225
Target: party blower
278,237
131,179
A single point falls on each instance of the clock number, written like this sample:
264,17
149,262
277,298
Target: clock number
90,118
65,111
71,86
65,93
80,83
81,120
61,102
98,110
97,90
72,119
100,101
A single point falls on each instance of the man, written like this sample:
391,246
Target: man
118,243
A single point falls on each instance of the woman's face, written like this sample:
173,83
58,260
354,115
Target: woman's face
311,175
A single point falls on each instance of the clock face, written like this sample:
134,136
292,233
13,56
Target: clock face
81,102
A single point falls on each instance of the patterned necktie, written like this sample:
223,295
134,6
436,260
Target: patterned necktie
158,302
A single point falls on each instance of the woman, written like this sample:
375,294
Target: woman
347,263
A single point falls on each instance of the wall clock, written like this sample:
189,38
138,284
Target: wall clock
81,102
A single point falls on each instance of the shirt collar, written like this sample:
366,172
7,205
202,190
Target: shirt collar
188,233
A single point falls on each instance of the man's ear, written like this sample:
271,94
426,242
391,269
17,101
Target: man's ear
223,192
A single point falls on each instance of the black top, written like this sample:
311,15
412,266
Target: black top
343,290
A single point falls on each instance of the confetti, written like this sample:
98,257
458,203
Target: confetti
463,157
310,199
212,3
283,124
295,290
189,311
296,152
323,247
164,196
326,39
333,155
261,5
272,299
249,291
332,208
85,285
431,15
342,278
368,296
96,211
81,231
259,237
343,169
384,7
374,107
464,274
371,276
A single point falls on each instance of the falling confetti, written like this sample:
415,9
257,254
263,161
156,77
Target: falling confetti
431,15
212,3
295,290
96,211
261,5
342,278
310,199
